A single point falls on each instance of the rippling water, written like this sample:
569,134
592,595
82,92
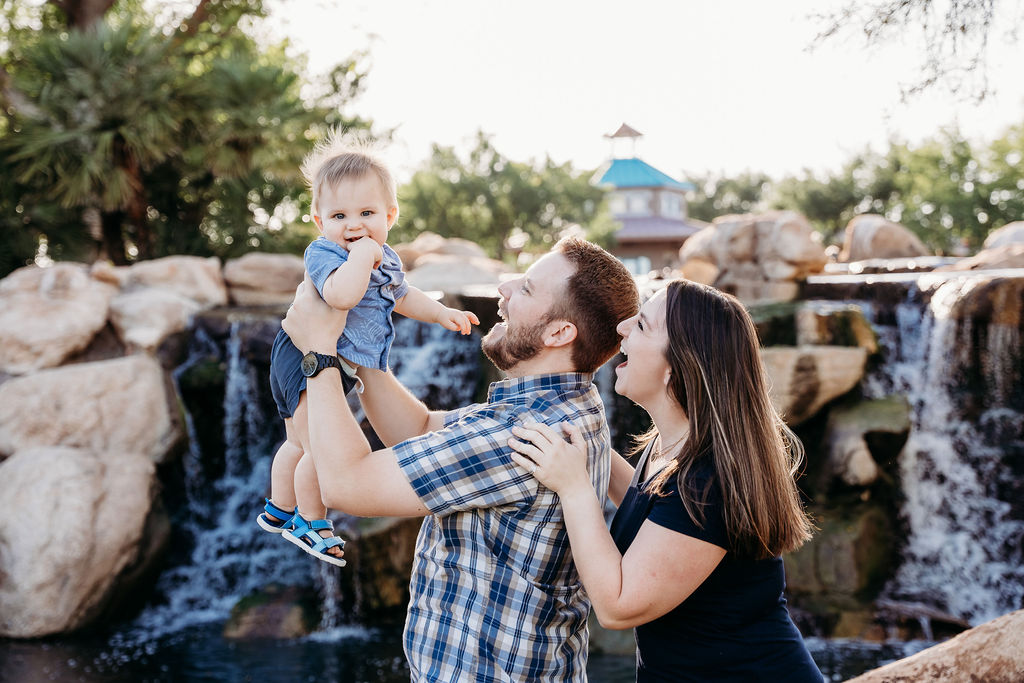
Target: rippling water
345,655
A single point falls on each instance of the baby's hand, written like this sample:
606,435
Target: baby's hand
368,245
456,320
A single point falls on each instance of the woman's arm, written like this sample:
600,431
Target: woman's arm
661,568
416,304
622,474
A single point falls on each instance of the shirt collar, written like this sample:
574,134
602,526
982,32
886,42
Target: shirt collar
559,382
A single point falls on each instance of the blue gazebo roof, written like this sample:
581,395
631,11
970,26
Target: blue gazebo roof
636,173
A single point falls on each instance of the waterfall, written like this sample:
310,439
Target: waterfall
964,552
229,556
224,555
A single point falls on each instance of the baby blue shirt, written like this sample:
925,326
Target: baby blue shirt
369,331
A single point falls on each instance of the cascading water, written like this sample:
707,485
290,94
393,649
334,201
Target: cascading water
964,554
228,556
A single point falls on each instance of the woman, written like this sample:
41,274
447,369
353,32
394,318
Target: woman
692,561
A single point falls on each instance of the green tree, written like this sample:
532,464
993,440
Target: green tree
488,198
130,140
718,195
955,36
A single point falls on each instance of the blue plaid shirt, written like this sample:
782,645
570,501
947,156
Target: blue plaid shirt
494,594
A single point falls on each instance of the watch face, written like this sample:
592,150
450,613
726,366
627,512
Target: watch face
309,364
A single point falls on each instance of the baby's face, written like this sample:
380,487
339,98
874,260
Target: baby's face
355,208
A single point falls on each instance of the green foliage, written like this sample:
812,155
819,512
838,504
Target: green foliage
487,198
178,137
718,195
946,190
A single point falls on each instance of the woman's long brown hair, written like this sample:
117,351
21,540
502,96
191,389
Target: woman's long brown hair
719,380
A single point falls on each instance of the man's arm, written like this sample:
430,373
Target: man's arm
396,415
353,478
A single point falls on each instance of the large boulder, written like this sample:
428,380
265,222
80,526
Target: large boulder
841,569
48,314
83,529
805,378
118,406
258,279
869,236
992,652
757,257
1009,255
850,460
436,272
192,277
144,318
1011,233
431,243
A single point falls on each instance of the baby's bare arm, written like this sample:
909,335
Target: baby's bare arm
346,286
416,304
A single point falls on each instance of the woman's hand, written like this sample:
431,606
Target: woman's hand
558,464
311,323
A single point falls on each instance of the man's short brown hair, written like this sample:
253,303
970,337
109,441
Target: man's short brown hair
599,295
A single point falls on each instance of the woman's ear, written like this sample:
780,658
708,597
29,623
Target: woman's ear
668,376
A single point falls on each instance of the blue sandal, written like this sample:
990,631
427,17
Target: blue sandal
267,523
305,534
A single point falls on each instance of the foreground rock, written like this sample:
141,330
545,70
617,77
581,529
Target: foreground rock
263,279
992,652
805,378
83,532
757,257
874,237
115,406
48,314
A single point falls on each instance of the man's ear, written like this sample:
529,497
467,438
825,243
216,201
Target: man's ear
559,333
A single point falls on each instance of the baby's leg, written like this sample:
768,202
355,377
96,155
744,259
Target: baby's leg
282,470
307,486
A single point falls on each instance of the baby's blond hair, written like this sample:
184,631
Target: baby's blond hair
345,155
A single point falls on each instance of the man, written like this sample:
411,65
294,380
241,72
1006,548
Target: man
494,593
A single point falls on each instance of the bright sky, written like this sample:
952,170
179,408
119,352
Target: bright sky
714,86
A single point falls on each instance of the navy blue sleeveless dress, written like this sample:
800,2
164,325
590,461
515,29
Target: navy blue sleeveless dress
735,626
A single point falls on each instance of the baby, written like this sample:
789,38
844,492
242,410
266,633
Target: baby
353,268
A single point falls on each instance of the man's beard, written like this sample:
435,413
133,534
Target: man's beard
518,344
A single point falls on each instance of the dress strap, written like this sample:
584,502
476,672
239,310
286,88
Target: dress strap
641,463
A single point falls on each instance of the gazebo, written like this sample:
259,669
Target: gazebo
650,205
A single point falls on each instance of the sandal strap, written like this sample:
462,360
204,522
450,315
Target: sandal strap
320,524
274,511
322,544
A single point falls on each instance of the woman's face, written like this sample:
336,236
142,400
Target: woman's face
644,375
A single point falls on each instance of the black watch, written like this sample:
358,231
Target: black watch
313,362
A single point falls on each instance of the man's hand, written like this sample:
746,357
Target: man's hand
456,320
311,323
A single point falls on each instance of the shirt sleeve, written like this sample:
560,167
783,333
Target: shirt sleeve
322,258
467,464
668,511
392,264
